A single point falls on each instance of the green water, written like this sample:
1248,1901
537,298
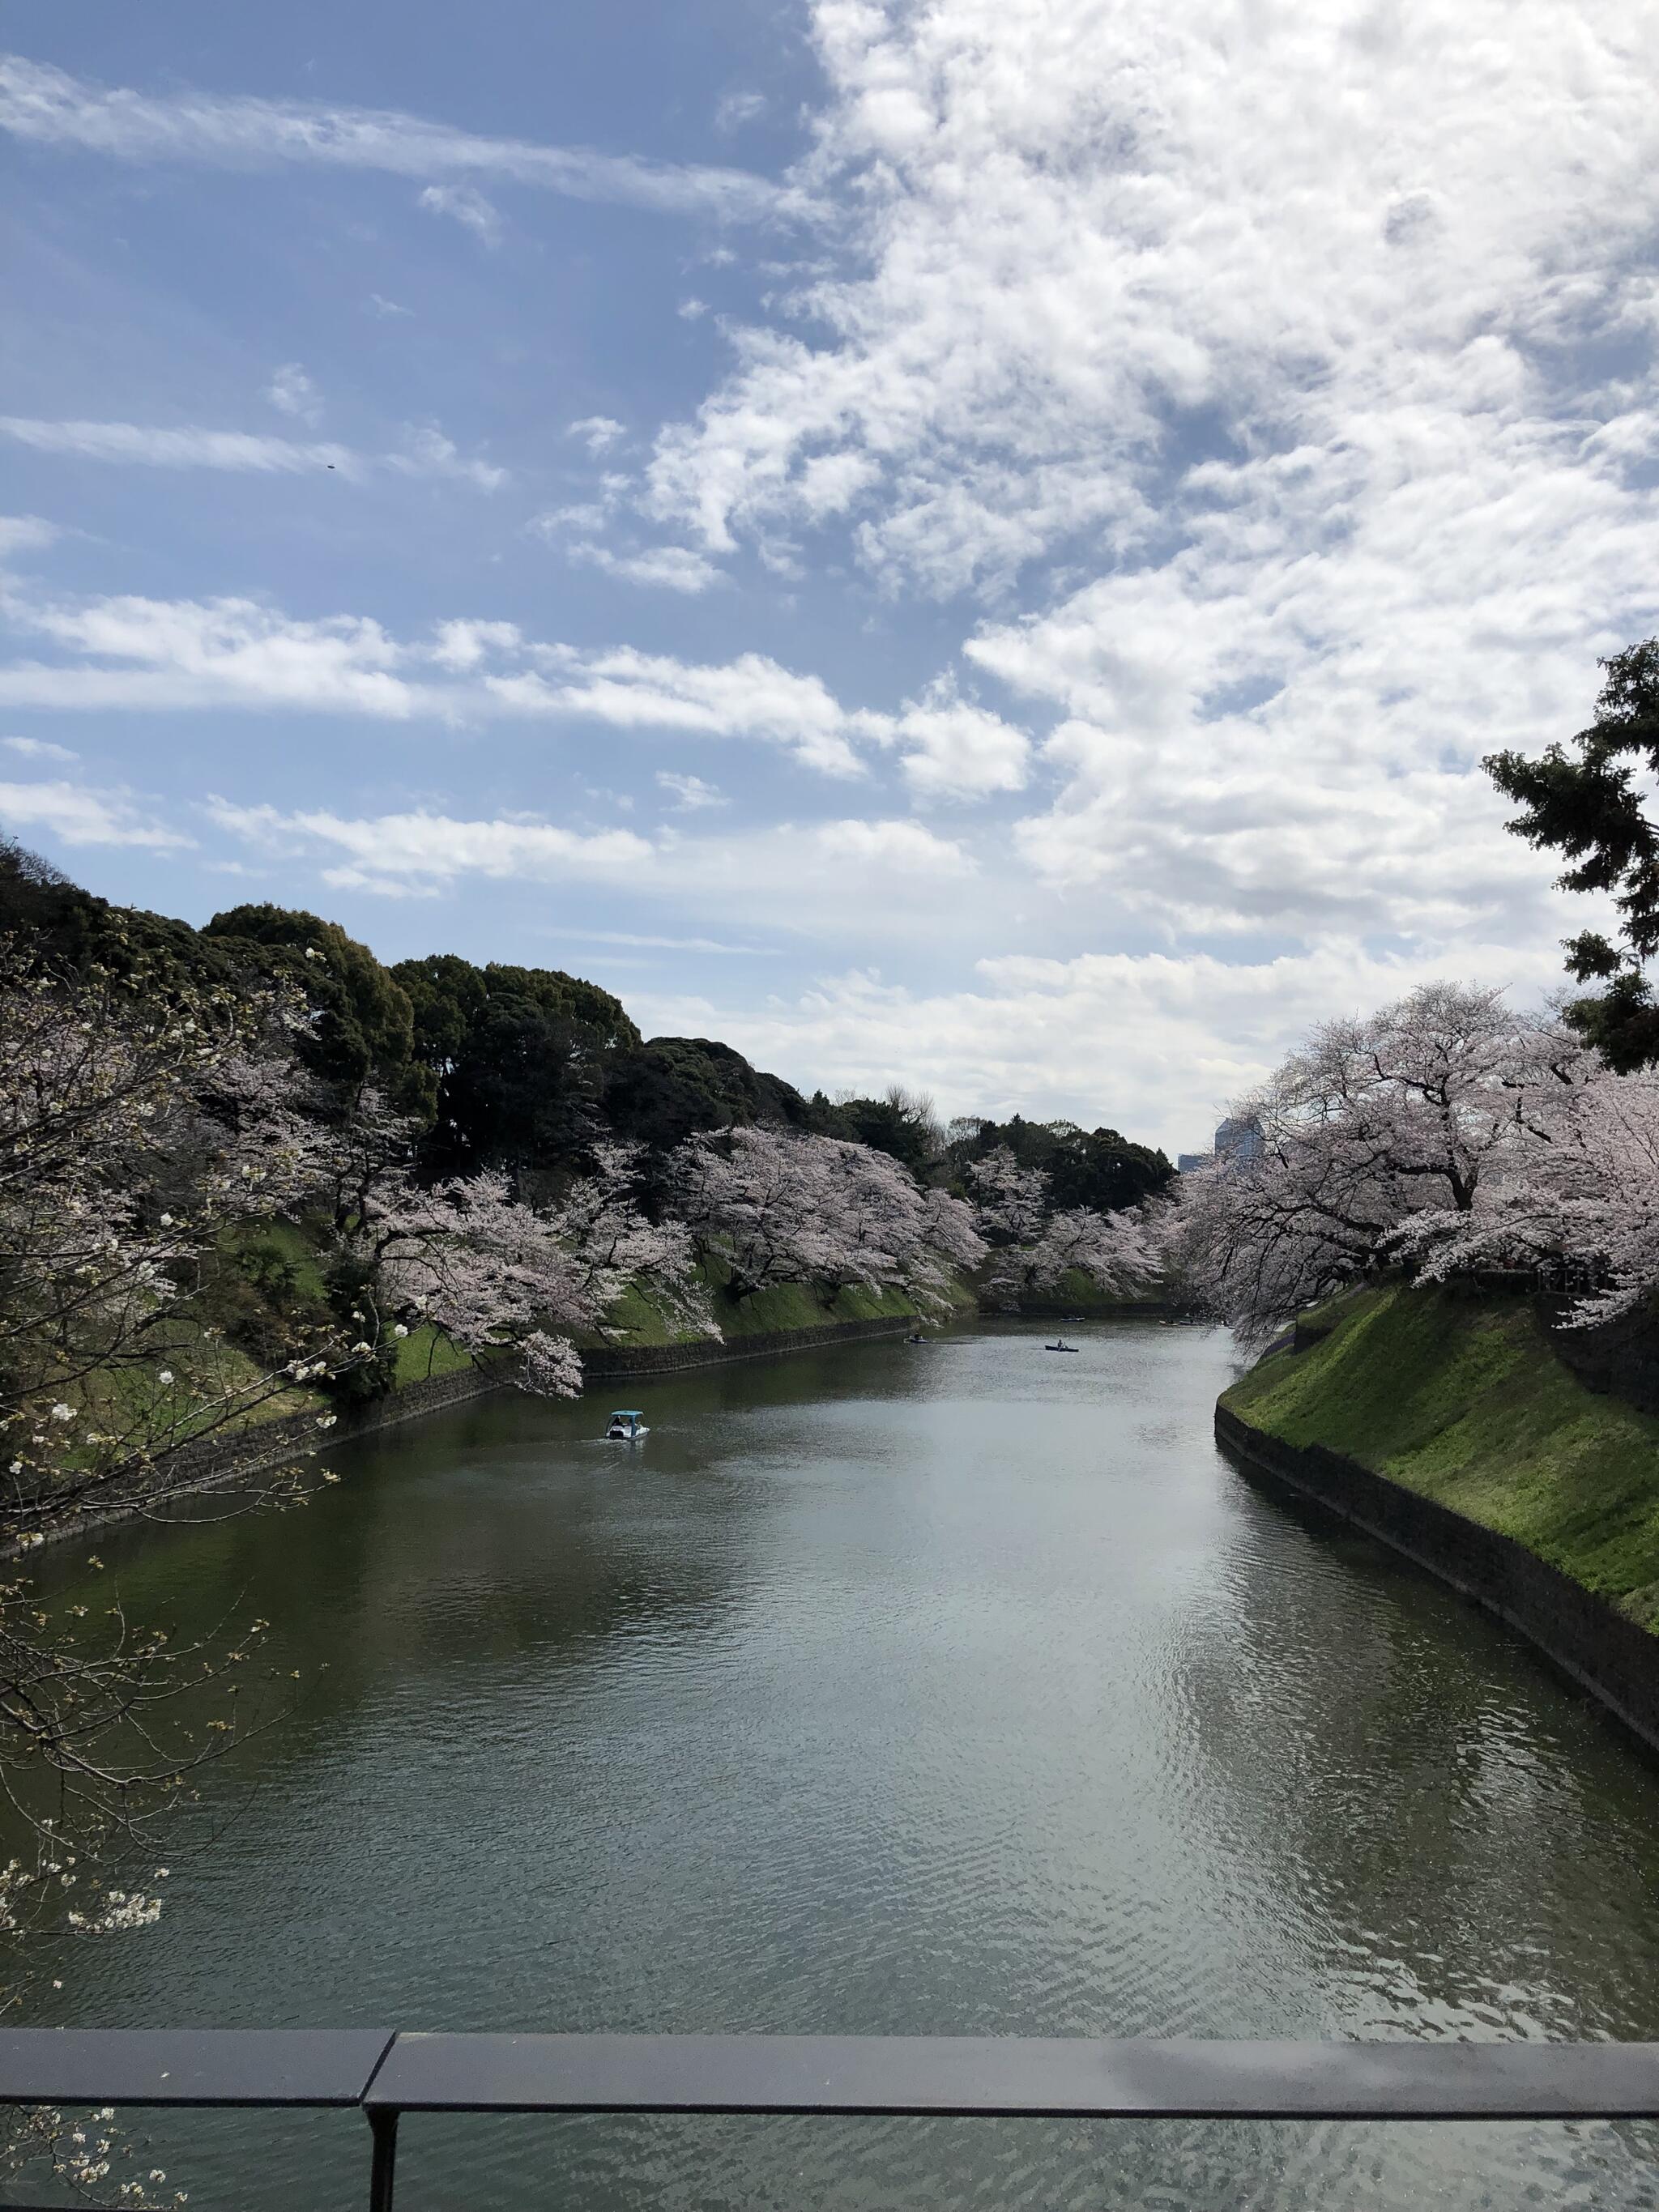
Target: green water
961,1690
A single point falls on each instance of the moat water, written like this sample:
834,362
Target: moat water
963,1689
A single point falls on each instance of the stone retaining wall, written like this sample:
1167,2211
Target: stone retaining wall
245,1455
1589,1639
265,1447
611,1363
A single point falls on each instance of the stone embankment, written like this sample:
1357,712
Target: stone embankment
1603,1651
1458,1435
611,1363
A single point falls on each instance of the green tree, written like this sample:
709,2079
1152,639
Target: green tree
362,1025
1582,799
516,1058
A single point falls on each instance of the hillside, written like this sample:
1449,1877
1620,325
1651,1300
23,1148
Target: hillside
1469,1404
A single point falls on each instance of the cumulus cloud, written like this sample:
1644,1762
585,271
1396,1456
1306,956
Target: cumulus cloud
51,107
146,654
1086,231
292,391
139,653
1155,1044
77,815
39,749
671,568
1299,387
800,871
464,204
736,108
598,433
690,794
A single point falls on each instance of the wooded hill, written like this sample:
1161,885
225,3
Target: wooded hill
522,1070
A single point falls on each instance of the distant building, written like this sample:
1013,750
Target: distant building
1236,1142
1240,1141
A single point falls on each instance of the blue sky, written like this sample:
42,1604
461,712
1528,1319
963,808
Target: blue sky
978,546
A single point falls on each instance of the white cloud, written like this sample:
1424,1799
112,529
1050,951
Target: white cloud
465,205
426,454
51,107
1078,230
24,533
37,749
189,447
182,653
736,108
960,751
145,654
672,568
385,307
1300,380
799,873
292,391
692,311
393,853
690,794
79,817
1152,1044
598,433
429,453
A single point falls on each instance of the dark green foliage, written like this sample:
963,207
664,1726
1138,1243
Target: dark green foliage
671,1088
1098,1168
72,929
521,1094
363,1025
255,1297
896,1125
348,1286
1580,800
517,1058
449,997
520,1070
1105,1171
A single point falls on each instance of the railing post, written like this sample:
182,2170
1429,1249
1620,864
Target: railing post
384,2127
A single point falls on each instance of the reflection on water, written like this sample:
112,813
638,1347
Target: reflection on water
955,1690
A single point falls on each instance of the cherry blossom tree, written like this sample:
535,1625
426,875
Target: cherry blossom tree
1033,1249
1579,1203
770,1208
492,1274
136,1128
1011,1201
1416,1111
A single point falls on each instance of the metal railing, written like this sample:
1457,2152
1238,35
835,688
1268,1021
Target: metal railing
386,2074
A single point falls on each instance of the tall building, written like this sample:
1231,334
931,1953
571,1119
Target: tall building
1236,1142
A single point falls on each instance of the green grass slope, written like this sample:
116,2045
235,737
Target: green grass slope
1466,1402
635,1320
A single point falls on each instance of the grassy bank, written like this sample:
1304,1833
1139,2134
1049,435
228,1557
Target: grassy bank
635,1321
1466,1402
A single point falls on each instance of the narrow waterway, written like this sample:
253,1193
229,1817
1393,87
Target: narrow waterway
962,1690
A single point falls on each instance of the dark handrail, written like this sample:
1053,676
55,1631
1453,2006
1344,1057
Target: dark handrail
386,2074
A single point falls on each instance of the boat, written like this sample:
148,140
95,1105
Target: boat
1062,1347
625,1427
